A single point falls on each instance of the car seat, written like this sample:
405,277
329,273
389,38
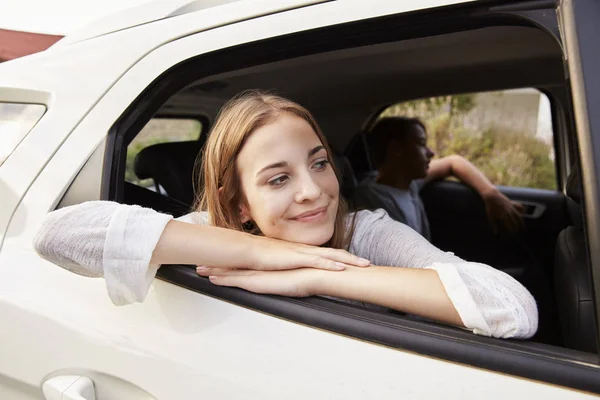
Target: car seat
572,276
171,166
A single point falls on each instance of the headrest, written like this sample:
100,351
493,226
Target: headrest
171,165
359,155
347,179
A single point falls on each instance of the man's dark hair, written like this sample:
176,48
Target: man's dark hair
387,129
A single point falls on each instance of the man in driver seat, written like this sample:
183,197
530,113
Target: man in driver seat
405,165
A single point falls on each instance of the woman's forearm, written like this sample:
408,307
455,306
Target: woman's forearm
183,243
414,291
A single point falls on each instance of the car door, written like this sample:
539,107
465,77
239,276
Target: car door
181,344
459,223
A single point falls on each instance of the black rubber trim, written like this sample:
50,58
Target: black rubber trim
526,359
556,365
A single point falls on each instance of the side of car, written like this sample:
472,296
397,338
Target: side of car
180,343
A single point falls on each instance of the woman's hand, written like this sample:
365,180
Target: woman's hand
293,283
502,211
271,254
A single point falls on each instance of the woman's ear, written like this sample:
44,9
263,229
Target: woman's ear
244,213
243,210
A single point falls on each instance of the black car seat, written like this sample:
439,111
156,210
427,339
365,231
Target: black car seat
347,179
572,276
359,156
137,195
170,165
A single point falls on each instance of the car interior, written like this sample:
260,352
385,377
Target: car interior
346,88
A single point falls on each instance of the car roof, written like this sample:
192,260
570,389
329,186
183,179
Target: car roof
158,10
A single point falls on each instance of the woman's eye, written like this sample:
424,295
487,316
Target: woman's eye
320,165
278,181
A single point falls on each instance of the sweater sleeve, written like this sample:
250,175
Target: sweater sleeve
102,238
489,302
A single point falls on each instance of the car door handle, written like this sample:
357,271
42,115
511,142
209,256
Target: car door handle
69,387
532,209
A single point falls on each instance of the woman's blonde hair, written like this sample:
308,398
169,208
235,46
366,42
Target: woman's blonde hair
236,121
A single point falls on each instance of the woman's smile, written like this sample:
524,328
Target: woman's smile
315,215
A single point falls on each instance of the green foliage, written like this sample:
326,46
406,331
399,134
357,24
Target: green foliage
432,107
506,157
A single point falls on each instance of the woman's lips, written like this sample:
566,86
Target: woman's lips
311,215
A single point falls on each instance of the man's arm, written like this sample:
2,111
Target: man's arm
499,208
461,168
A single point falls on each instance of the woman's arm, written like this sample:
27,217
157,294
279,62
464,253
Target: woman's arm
433,284
489,301
183,243
414,291
126,245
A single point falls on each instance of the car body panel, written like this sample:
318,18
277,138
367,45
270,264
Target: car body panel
177,344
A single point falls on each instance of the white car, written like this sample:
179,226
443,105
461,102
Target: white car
68,117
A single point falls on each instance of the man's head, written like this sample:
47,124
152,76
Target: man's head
400,144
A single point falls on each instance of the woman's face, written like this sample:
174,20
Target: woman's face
291,190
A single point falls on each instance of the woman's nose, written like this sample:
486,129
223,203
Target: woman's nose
308,190
430,153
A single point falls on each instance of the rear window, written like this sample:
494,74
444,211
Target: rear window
16,121
507,134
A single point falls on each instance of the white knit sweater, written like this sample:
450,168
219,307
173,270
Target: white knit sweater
116,241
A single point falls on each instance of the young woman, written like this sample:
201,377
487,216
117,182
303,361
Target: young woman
270,220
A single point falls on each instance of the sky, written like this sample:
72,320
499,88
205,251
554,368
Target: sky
57,17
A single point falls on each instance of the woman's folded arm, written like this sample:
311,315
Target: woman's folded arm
489,301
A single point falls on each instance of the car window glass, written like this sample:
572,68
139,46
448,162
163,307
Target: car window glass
16,120
507,134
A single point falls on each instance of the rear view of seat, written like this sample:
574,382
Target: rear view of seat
170,165
347,179
359,155
572,276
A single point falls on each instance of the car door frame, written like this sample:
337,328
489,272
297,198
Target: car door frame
580,29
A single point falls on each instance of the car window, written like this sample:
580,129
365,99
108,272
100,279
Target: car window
507,134
16,120
159,130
